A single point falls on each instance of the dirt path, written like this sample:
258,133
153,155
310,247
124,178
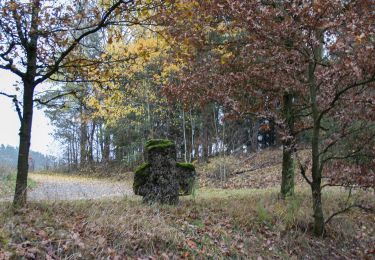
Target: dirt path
59,187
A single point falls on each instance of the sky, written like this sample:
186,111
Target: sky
41,138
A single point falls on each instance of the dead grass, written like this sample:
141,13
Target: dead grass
215,223
256,171
239,218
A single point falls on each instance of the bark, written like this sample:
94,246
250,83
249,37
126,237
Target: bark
83,140
184,133
254,136
106,146
20,195
91,143
205,131
315,169
192,138
287,180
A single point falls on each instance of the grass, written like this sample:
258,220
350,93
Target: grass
49,176
8,182
245,220
216,224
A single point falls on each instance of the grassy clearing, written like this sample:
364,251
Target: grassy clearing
259,170
8,182
215,223
57,177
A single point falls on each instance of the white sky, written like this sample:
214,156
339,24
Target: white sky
41,139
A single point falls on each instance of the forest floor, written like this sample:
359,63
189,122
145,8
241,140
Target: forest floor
227,216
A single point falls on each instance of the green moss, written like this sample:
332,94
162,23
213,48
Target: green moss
140,177
158,144
189,166
141,168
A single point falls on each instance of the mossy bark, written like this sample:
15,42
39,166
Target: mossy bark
287,180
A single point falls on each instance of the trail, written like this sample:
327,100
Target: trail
60,187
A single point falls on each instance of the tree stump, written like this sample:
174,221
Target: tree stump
186,178
161,179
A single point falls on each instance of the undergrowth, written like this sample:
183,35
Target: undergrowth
214,224
8,181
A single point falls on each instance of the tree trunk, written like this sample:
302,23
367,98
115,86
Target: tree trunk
316,188
205,131
287,175
192,138
91,143
83,139
184,134
20,194
316,181
287,180
107,143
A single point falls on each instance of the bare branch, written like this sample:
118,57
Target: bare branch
16,103
342,92
370,210
46,102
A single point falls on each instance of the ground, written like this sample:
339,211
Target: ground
217,221
55,187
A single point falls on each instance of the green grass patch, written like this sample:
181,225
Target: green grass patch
8,183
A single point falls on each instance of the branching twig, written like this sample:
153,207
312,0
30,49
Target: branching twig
371,210
46,102
303,170
16,103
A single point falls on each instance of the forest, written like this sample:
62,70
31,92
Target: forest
37,160
200,129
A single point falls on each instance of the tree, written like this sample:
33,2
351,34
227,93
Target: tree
38,39
313,57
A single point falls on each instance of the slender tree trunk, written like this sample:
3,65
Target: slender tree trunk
20,194
316,188
83,139
254,136
316,185
107,143
184,133
287,180
192,137
91,143
205,131
97,141
149,120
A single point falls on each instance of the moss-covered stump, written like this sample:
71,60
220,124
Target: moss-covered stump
186,178
140,179
157,180
161,179
159,145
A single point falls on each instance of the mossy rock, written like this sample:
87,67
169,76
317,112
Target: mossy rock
186,178
159,144
188,166
140,177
